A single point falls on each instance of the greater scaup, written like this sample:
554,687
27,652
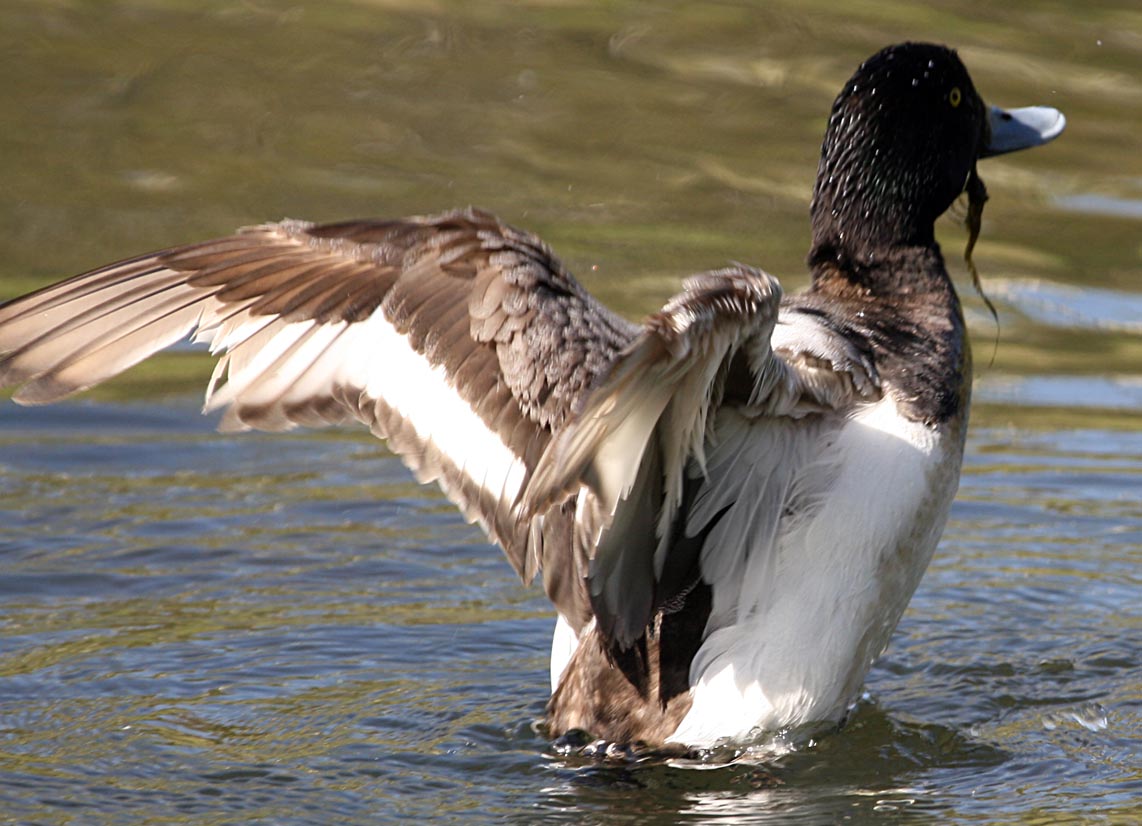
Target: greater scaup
730,504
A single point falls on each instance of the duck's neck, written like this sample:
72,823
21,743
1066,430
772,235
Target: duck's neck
892,272
904,303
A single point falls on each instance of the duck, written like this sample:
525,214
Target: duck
729,504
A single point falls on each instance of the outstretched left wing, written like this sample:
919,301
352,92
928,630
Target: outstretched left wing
461,341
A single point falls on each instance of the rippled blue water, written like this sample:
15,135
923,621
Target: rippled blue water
284,629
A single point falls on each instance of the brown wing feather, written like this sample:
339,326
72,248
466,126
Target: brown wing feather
518,339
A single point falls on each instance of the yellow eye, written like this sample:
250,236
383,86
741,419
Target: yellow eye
955,96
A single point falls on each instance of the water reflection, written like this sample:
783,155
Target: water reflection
1106,392
1102,205
874,768
1064,305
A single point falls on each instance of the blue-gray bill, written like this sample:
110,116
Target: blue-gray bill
1014,129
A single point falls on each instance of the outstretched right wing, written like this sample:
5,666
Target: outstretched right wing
634,459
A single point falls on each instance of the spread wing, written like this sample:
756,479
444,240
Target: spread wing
576,440
699,416
461,341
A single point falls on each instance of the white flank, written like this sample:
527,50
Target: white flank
807,619
564,643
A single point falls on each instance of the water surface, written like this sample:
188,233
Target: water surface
198,628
